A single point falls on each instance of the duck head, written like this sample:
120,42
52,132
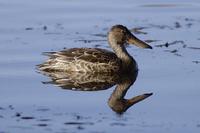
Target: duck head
120,35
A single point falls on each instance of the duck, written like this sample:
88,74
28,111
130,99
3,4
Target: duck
97,60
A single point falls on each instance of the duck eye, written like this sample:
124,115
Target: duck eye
123,31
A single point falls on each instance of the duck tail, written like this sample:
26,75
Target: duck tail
50,54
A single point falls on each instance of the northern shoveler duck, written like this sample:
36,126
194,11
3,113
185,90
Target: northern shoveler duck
97,60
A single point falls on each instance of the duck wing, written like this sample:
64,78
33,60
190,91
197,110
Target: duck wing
82,60
93,55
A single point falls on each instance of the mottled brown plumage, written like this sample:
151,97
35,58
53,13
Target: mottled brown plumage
96,60
82,60
82,81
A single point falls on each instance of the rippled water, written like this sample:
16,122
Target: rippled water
170,70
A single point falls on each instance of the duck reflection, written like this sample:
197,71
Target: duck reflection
78,81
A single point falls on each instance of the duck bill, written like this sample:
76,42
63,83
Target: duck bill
134,40
138,98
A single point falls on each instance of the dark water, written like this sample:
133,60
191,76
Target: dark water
170,70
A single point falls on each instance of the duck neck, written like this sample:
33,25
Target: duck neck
117,102
123,55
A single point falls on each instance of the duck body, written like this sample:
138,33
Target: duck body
87,60
96,60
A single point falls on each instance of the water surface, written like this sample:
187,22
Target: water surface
170,70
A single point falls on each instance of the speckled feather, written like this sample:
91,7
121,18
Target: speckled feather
82,81
82,60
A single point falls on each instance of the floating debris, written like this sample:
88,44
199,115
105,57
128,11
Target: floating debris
53,33
79,123
78,117
90,41
29,28
196,48
27,117
172,43
45,27
18,114
118,124
97,45
177,25
197,62
80,128
184,46
161,26
189,19
172,51
150,41
11,107
44,120
163,45
100,35
43,109
137,30
175,52
176,42
189,25
178,54
42,125
59,26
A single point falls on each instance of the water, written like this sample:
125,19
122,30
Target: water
28,28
